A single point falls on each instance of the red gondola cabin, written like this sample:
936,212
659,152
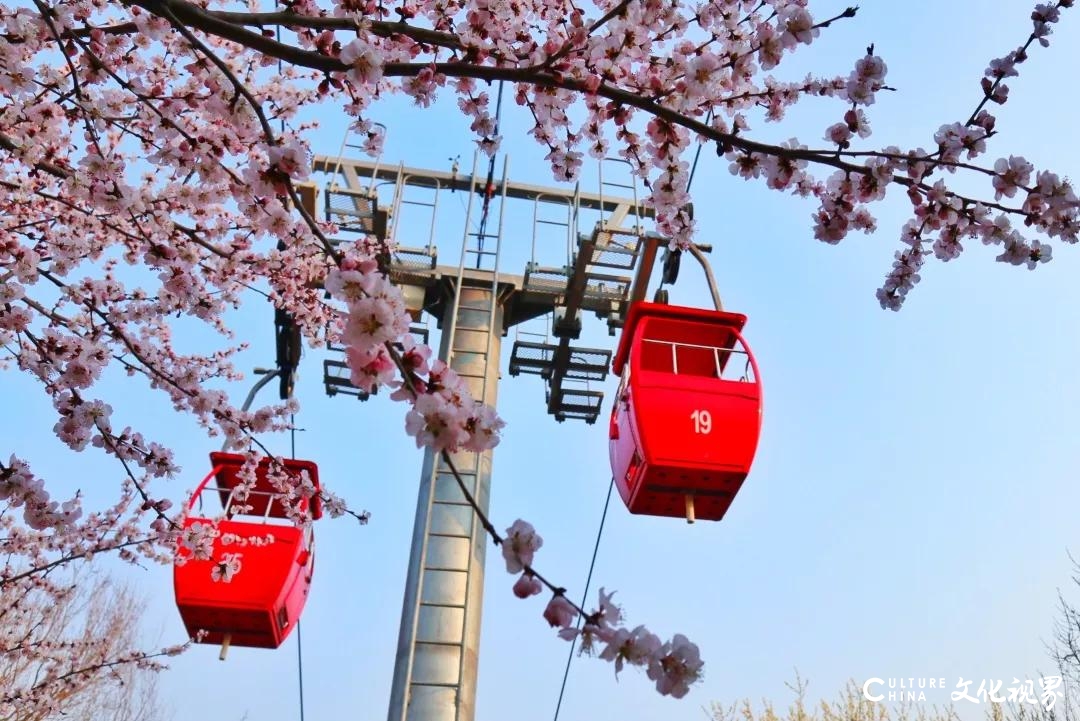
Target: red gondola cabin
687,417
253,587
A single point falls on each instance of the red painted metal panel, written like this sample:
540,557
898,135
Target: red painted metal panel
259,605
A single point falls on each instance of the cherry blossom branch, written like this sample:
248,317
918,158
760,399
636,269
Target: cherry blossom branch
290,20
141,659
184,12
51,168
256,106
46,15
158,507
991,88
64,173
571,47
151,369
377,28
538,76
61,560
341,509
754,50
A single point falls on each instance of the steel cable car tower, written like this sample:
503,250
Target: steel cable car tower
475,304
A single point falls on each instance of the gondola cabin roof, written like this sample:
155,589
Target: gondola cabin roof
643,310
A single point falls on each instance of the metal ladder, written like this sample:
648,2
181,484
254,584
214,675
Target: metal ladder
552,278
439,678
618,216
571,392
353,207
350,175
427,256
534,351
569,224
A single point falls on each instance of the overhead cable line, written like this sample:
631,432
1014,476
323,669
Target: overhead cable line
584,598
489,187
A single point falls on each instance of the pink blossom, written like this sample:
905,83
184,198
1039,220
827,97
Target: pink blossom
637,648
365,61
371,368
415,357
483,427
519,545
560,612
198,538
798,26
435,423
349,285
226,568
527,585
675,667
372,321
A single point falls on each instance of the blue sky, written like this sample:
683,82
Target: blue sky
912,503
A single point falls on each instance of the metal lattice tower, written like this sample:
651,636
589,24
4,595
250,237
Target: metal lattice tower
435,673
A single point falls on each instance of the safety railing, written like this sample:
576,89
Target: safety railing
235,503
697,360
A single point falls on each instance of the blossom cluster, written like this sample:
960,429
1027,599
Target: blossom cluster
67,633
286,493
196,542
20,488
674,665
380,352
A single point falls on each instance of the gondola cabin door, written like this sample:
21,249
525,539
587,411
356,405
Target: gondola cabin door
686,420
